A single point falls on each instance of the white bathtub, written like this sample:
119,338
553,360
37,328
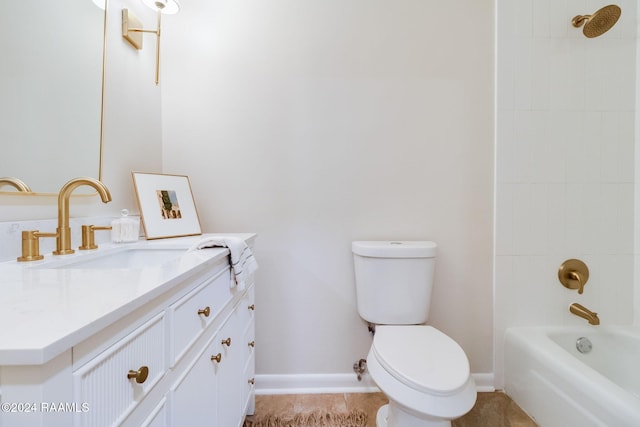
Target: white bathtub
558,386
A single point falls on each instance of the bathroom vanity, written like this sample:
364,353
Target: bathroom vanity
143,334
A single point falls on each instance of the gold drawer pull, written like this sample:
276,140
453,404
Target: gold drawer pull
252,344
217,358
206,311
252,307
140,375
227,342
251,381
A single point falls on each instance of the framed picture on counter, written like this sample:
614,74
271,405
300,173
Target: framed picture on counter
167,208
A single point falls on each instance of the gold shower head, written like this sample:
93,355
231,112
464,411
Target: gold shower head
600,22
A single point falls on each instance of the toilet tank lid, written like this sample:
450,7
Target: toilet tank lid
394,249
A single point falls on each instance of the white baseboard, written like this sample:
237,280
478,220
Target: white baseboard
335,383
313,384
484,382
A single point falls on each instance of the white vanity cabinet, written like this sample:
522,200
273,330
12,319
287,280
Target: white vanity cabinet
184,357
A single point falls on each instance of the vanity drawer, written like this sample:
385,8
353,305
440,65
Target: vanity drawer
191,315
107,383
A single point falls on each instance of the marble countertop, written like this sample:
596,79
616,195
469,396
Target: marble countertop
45,311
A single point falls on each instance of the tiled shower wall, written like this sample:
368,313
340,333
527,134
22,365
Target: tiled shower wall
564,164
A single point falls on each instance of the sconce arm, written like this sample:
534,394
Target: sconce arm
133,34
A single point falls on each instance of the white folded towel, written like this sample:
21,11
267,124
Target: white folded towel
243,263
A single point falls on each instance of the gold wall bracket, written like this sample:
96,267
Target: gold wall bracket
132,32
573,274
132,29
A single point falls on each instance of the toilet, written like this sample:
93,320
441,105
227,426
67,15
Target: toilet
423,372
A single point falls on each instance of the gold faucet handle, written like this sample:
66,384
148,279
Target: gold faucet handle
31,245
576,277
89,238
573,274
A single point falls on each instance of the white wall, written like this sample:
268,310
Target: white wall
565,164
636,223
318,123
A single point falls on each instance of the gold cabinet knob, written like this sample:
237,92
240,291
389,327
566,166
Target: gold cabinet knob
140,375
217,358
252,343
251,381
252,307
227,342
206,311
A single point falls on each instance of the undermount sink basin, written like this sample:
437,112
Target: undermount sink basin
133,258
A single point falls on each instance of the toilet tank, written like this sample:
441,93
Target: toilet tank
394,280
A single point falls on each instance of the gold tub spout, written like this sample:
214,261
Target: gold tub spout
585,313
16,183
63,241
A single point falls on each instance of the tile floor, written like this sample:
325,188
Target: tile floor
491,409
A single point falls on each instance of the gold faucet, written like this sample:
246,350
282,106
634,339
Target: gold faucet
63,232
581,311
16,183
31,238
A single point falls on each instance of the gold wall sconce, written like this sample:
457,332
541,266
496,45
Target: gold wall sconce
132,28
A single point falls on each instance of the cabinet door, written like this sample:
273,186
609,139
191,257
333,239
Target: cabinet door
248,394
247,397
158,417
193,396
229,382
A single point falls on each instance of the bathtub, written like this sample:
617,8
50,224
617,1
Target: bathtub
559,386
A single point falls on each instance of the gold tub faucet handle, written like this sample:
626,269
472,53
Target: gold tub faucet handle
573,274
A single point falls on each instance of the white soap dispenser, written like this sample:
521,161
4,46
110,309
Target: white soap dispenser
125,229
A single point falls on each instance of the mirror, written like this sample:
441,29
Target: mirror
51,83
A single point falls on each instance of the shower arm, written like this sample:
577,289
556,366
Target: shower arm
579,20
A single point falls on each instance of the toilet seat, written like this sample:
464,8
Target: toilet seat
422,357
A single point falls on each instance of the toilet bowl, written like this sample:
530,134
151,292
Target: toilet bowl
424,373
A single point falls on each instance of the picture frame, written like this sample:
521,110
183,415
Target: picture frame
166,203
